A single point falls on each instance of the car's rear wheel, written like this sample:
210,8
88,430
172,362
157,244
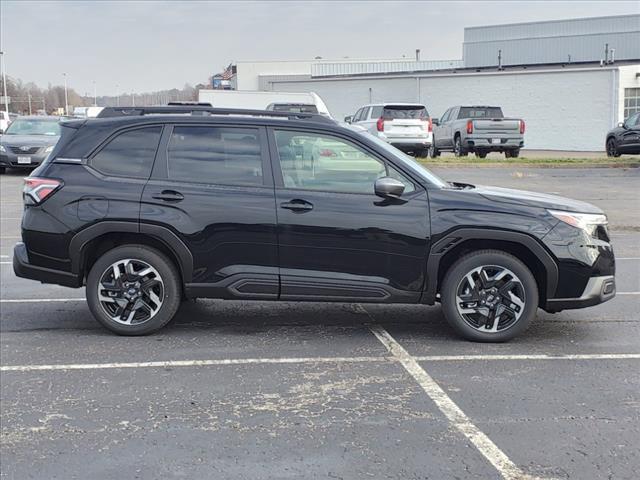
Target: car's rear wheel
458,149
612,148
481,154
515,153
489,296
133,290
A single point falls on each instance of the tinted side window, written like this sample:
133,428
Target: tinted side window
445,116
365,113
330,164
130,154
376,112
216,155
356,117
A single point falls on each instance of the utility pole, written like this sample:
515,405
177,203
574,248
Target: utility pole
133,99
66,96
117,95
29,100
95,95
4,83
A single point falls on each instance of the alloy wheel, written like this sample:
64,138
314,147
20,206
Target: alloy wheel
131,292
490,298
611,148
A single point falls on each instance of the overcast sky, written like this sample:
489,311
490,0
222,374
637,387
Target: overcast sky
148,45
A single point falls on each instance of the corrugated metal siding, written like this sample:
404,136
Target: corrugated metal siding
552,42
578,26
585,48
362,68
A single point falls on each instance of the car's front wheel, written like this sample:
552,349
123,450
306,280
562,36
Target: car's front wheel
133,290
612,148
489,296
458,149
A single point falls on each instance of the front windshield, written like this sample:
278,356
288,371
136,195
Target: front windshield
33,126
405,159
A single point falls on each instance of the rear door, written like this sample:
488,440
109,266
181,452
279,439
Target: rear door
337,239
405,121
212,187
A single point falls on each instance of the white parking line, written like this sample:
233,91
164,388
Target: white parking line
627,258
40,300
191,363
579,356
627,293
507,469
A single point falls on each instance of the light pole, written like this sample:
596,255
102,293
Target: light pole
4,83
133,99
117,95
95,95
66,97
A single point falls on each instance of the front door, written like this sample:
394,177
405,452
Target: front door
212,186
337,239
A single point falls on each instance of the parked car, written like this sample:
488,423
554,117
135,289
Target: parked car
477,129
5,120
292,107
625,138
260,100
149,208
28,141
406,126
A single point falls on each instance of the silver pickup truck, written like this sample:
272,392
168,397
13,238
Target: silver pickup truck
478,129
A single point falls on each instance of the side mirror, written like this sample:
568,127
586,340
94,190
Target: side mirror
348,118
621,124
387,187
435,121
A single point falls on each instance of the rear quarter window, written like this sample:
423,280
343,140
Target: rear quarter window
130,154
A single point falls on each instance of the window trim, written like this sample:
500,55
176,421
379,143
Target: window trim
162,172
91,156
277,169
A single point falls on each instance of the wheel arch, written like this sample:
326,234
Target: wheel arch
446,251
86,246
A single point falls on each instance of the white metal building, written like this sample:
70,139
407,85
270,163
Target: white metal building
571,80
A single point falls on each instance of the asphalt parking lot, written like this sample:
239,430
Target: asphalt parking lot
262,390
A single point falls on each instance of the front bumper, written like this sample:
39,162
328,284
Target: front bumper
22,268
10,160
598,290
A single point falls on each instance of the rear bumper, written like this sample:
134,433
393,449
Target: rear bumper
407,142
486,143
598,290
23,269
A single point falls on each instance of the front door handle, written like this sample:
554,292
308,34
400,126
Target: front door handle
297,205
168,196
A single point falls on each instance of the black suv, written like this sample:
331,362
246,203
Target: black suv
150,206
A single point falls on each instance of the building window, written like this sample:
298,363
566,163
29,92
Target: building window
631,101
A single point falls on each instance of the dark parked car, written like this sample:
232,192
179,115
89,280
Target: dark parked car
27,141
625,138
146,210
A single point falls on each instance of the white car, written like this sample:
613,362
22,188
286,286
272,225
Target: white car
5,120
406,126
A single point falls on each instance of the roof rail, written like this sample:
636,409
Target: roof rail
109,112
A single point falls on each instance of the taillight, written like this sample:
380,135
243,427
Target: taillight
428,125
327,152
521,126
380,124
36,190
470,126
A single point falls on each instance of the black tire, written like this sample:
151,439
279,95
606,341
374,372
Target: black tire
515,153
481,154
171,291
457,274
458,149
433,150
612,148
424,153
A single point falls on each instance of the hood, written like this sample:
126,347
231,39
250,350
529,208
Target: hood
29,140
534,199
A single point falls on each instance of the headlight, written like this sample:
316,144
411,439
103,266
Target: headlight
2,149
48,149
584,221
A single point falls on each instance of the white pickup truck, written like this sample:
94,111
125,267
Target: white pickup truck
478,129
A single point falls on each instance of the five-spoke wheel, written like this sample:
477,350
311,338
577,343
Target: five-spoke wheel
489,295
133,290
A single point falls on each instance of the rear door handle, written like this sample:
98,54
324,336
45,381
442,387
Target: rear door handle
297,205
168,196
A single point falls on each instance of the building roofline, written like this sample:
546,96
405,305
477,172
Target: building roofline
553,21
